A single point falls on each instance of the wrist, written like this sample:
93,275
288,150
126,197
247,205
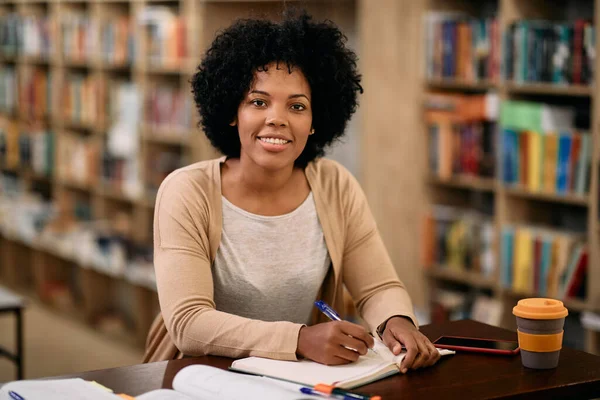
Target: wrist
384,325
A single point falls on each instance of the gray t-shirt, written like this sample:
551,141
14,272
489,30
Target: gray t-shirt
270,268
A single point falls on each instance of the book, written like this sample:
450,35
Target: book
369,368
57,390
202,382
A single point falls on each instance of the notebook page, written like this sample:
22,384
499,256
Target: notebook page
56,390
202,382
164,394
311,373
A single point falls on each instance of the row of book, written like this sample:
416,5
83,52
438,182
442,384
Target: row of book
169,109
83,99
36,151
83,161
547,51
547,262
85,36
461,133
458,239
35,91
79,39
30,35
539,147
461,47
550,162
543,150
165,32
68,229
117,41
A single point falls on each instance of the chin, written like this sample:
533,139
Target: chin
273,162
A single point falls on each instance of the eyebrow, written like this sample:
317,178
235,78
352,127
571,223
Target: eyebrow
293,96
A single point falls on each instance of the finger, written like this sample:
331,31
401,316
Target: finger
335,360
434,354
411,352
346,354
357,332
422,357
353,343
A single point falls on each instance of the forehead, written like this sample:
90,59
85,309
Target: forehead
280,78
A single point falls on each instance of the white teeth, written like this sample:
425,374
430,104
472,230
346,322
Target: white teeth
274,140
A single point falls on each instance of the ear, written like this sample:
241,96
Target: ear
234,122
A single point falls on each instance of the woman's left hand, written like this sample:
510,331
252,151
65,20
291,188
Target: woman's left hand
420,352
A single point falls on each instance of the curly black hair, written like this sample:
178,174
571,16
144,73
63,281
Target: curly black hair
318,49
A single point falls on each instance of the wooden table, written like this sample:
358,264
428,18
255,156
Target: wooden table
461,376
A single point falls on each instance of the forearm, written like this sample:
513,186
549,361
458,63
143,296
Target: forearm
200,331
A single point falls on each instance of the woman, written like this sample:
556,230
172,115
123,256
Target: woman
245,244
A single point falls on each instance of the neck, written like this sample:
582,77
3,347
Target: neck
260,181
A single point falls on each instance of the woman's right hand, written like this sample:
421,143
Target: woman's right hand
330,342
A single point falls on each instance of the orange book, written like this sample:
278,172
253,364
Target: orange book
461,45
428,255
550,162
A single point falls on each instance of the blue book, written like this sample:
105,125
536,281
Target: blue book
563,165
510,156
546,259
507,256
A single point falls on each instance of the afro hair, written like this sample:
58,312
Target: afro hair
318,49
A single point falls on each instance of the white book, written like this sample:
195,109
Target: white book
369,368
59,389
201,382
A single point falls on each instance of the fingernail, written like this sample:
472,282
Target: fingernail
396,348
404,370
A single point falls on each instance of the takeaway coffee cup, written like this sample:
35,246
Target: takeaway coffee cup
540,325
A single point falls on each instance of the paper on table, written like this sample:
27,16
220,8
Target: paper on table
59,389
202,382
164,394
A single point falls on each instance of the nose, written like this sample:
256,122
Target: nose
276,118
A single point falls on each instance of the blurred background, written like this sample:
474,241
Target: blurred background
477,142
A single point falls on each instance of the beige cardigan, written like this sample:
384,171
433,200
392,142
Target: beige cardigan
187,233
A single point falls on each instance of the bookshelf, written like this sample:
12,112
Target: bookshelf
525,204
87,61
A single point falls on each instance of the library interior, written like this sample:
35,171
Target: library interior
476,143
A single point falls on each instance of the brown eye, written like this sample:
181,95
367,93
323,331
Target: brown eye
258,103
298,107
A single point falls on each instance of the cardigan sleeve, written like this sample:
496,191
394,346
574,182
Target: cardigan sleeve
185,286
368,272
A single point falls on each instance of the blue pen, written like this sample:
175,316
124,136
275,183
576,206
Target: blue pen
331,314
15,396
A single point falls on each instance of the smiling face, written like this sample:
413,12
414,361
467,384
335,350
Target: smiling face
275,117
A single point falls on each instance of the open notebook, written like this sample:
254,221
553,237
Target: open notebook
57,389
201,382
368,368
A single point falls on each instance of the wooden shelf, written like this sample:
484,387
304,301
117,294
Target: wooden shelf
456,84
572,199
176,137
460,276
115,194
466,182
75,185
162,70
549,89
